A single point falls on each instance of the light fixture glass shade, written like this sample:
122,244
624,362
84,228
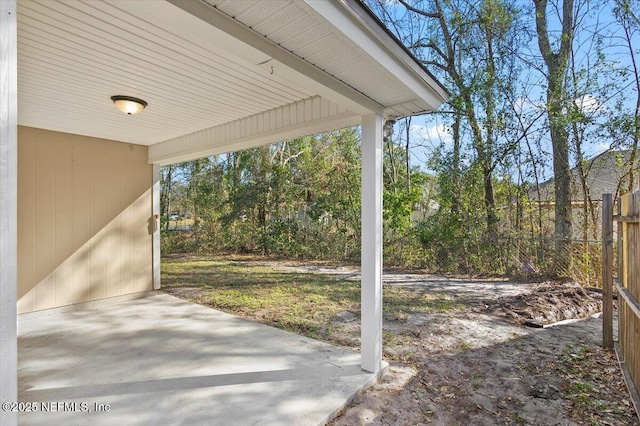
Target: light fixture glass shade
128,104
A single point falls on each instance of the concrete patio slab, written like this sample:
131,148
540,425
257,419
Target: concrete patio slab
159,360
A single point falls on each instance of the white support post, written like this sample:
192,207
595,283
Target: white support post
371,260
8,210
156,229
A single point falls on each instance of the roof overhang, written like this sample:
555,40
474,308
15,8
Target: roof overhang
219,75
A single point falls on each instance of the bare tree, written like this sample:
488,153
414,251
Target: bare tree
556,62
625,13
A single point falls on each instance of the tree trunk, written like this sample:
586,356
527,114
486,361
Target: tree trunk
455,184
562,182
165,192
556,109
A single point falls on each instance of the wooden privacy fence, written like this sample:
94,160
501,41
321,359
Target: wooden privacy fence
627,285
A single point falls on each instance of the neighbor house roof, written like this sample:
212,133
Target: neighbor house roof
603,175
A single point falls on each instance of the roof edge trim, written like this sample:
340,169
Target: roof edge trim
369,19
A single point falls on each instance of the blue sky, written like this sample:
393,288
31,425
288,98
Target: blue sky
431,132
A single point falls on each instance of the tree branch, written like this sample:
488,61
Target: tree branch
567,31
541,29
419,11
436,64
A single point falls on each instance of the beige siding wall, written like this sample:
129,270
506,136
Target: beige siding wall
84,218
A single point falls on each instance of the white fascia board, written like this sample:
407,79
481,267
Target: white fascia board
303,118
282,62
354,23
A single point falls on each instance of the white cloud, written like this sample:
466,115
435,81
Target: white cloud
588,104
435,134
523,104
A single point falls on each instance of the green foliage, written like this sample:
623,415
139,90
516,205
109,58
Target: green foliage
480,209
292,199
398,207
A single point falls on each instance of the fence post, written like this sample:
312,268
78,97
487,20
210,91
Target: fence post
620,239
607,271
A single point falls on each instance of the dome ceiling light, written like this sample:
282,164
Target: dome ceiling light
129,105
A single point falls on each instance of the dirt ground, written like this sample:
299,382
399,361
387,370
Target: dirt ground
480,365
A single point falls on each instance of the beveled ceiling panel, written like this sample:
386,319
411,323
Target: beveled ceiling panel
201,64
73,56
295,27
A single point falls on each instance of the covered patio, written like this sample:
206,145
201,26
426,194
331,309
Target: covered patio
80,180
158,359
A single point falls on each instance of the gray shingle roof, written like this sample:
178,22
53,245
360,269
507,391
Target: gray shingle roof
604,173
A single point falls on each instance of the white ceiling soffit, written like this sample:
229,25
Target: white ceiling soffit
342,39
73,56
206,66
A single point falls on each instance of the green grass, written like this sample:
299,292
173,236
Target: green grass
181,222
300,302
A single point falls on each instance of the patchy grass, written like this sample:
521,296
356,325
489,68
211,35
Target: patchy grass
300,302
452,381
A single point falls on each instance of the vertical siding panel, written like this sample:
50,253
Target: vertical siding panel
333,108
301,107
81,231
26,220
45,224
308,110
232,130
127,266
133,238
63,220
84,208
315,105
324,108
243,128
99,158
141,248
272,121
237,130
113,261
127,219
260,121
286,116
113,225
